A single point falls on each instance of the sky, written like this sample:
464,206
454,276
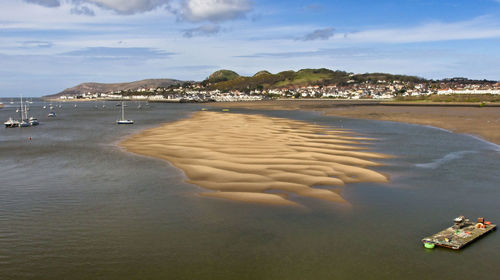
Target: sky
49,45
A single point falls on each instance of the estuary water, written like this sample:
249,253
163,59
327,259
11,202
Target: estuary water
73,205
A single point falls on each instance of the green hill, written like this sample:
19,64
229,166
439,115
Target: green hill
222,75
227,80
263,72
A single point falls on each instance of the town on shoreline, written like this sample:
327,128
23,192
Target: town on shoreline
228,86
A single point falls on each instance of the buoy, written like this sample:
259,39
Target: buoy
429,245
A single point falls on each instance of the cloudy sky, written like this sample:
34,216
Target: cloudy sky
49,45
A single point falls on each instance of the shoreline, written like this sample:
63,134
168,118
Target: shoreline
260,159
482,122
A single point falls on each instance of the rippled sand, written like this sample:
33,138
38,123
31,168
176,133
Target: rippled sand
255,158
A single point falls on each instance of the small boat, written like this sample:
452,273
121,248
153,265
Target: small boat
51,115
204,109
123,120
225,110
15,123
11,123
24,124
33,121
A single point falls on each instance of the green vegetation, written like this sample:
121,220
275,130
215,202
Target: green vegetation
374,77
263,72
475,98
265,80
262,80
222,76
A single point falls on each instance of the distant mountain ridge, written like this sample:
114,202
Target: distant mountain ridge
104,87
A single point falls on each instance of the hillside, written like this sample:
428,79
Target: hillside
304,77
222,76
101,87
227,80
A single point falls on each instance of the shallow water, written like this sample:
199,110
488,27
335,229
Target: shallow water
75,206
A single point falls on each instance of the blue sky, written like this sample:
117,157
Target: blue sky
49,45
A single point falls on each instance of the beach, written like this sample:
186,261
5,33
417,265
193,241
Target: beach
483,122
261,159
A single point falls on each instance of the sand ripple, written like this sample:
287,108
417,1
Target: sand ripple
255,158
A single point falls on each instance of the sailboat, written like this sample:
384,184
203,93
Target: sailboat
24,115
123,120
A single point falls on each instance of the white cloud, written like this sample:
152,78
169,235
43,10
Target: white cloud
191,10
130,6
215,10
46,3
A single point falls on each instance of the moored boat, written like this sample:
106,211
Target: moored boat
123,120
11,123
33,121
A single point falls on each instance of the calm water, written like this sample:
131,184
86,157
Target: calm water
74,206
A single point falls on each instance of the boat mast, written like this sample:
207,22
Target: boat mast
22,113
123,112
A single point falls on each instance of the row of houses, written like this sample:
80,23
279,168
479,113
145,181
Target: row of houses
365,90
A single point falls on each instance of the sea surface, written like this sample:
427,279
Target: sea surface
73,205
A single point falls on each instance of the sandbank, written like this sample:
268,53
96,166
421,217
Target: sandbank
260,159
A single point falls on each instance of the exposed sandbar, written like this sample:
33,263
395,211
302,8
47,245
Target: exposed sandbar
255,158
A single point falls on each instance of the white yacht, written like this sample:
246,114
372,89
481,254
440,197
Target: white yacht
11,123
123,120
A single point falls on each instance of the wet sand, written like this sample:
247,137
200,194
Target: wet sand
259,159
483,122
